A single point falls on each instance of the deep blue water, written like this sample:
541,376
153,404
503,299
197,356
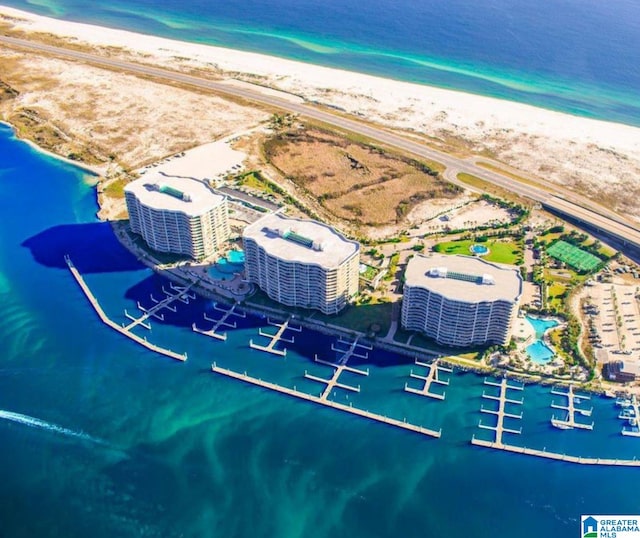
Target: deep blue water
575,56
102,438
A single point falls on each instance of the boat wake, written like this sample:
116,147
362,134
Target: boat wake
33,422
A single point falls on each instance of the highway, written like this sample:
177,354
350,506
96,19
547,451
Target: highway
602,220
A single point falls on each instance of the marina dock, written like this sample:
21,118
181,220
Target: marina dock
275,338
351,350
430,379
105,319
501,414
630,412
570,421
338,367
222,322
329,403
153,312
556,456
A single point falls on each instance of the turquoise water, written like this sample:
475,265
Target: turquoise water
540,352
102,438
584,60
541,325
226,268
479,249
235,257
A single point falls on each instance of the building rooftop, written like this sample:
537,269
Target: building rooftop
174,194
305,241
464,278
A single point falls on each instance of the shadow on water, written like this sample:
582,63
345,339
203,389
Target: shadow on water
93,247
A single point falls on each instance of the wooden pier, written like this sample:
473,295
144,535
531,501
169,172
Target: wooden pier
275,338
332,382
570,421
502,400
430,379
105,319
329,403
222,322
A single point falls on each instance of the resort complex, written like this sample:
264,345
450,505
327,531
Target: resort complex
460,300
178,215
301,263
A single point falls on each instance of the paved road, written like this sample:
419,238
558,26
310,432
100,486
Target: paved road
602,220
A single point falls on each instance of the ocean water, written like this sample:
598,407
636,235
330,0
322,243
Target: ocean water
103,438
575,56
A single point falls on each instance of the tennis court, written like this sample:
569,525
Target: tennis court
575,257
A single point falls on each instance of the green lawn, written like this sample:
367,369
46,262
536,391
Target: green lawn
573,256
508,252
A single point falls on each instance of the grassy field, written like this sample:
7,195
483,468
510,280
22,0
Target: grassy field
508,252
573,256
353,181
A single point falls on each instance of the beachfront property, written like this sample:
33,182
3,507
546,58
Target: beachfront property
301,263
460,300
178,215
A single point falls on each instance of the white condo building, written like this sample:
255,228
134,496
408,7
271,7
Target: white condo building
460,300
178,215
301,263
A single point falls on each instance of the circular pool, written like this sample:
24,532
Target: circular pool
479,250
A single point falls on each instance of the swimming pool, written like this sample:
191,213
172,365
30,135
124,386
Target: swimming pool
226,268
236,256
539,352
479,250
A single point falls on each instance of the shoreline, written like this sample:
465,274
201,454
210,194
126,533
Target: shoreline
238,62
95,171
585,155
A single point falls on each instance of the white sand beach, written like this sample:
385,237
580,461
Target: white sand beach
597,158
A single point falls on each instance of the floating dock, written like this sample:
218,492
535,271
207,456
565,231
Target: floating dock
222,322
338,367
154,311
430,379
275,338
501,414
351,350
554,455
105,319
329,403
570,422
